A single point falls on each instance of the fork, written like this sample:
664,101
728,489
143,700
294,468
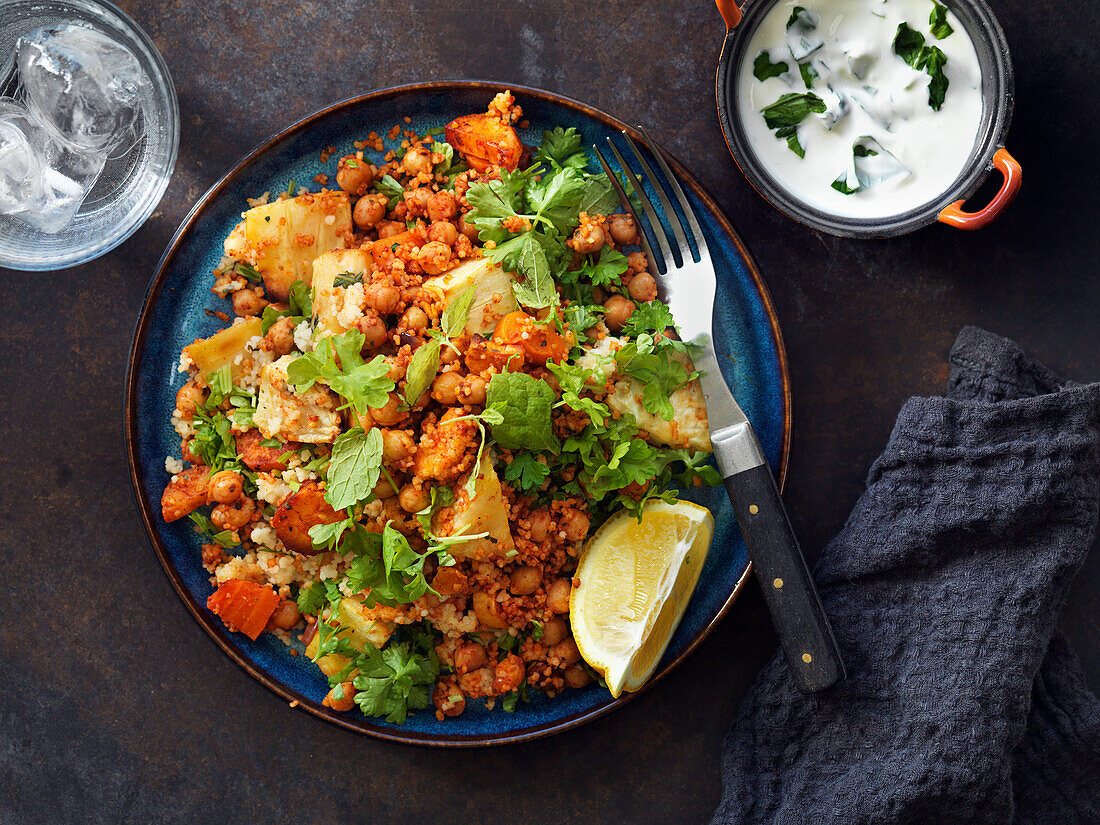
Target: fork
687,277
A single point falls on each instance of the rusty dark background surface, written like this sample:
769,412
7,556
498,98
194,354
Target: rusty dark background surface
116,708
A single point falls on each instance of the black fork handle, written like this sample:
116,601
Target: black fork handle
797,614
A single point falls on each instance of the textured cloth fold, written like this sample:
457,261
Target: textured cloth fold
961,703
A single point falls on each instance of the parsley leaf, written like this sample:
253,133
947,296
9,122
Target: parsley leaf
527,257
300,308
394,680
763,68
652,316
560,148
523,403
526,472
573,380
354,468
448,153
311,599
938,20
246,271
336,362
607,270
659,373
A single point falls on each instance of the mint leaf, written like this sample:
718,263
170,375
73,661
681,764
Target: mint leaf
763,68
908,44
354,467
841,185
526,472
388,186
803,18
457,312
448,153
938,20
791,109
809,75
422,370
524,403
932,60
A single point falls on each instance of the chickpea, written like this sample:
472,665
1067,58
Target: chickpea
619,310
413,498
469,657
508,674
574,523
540,524
576,676
189,397
249,301
417,160
468,229
369,210
553,631
589,238
642,287
441,207
416,202
394,513
374,331
444,232
390,413
448,699
397,445
487,610
473,390
636,262
414,320
233,516
346,701
226,487
449,356
524,580
622,229
566,651
445,388
280,338
286,615
364,420
434,257
557,597
383,488
383,298
388,229
354,175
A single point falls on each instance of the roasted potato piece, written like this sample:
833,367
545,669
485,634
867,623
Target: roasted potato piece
300,511
260,458
493,298
221,348
282,413
440,450
485,140
689,426
360,626
285,237
483,512
185,492
329,299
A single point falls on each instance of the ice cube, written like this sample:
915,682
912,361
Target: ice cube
89,88
54,177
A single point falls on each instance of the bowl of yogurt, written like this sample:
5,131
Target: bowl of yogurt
868,118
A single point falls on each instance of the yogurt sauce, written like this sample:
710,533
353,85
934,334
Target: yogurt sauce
872,132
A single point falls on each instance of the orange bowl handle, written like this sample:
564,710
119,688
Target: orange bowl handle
730,12
1010,170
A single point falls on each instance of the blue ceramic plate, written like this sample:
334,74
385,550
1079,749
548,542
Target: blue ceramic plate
748,341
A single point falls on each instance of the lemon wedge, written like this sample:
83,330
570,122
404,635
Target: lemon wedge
636,578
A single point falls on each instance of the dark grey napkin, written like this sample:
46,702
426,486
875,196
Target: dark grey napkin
961,705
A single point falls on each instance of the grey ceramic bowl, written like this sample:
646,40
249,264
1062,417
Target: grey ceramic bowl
988,151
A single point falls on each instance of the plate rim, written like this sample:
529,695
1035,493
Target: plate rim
137,344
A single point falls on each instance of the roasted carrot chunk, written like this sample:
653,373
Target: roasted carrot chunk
300,511
485,140
540,342
380,249
244,606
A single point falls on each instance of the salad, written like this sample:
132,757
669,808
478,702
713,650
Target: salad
443,375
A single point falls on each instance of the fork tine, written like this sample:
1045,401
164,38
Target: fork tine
673,219
628,206
689,213
667,261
